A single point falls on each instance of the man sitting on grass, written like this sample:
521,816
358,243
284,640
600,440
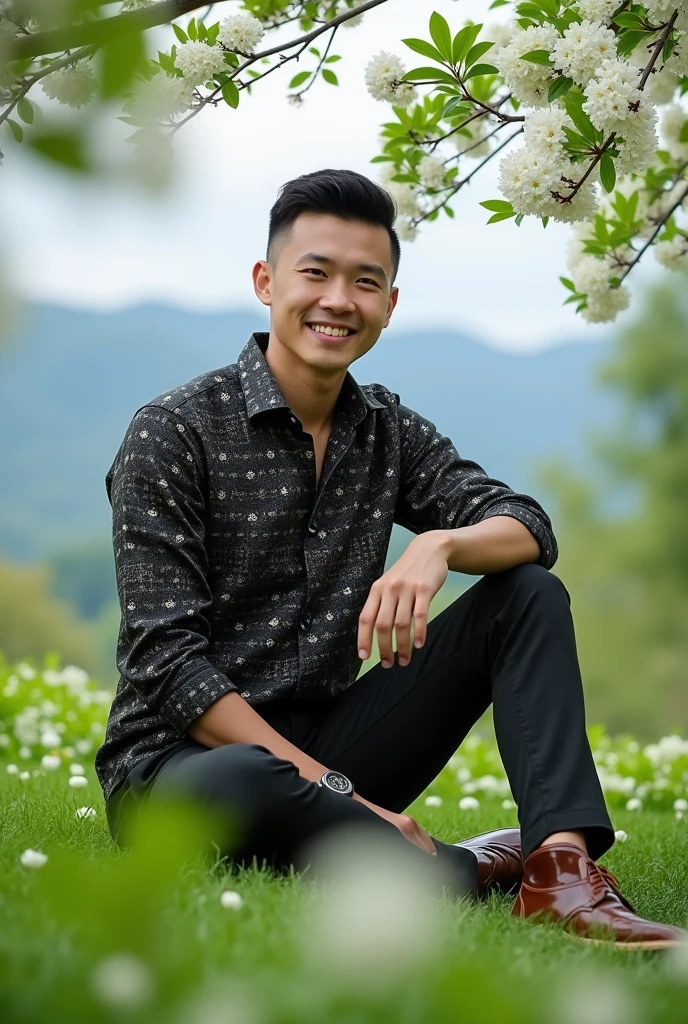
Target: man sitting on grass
252,511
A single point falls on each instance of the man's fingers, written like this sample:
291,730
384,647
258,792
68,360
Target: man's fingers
402,627
420,620
366,623
383,625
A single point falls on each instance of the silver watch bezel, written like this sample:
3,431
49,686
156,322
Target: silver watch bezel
334,789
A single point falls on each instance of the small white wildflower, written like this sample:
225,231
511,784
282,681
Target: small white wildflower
681,804
621,836
508,805
24,776
674,254
33,859
597,10
406,229
383,78
529,82
51,762
199,62
84,746
78,781
431,170
24,753
230,900
241,32
122,980
582,48
433,801
609,94
603,307
634,804
76,769
50,738
74,86
468,803
12,769
85,812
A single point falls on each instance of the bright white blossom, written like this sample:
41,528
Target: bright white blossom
406,229
681,805
634,804
230,900
674,120
241,32
24,776
674,256
199,62
383,78
499,32
468,803
33,859
433,801
74,86
621,836
529,82
639,131
582,48
12,769
543,130
160,97
431,170
610,93
604,307
51,762
85,812
78,781
122,980
76,769
597,10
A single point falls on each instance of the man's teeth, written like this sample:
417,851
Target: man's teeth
336,332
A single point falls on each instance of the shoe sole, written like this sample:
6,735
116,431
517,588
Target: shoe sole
647,944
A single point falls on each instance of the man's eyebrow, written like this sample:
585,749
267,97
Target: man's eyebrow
370,268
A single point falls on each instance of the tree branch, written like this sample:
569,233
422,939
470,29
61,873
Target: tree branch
654,234
85,51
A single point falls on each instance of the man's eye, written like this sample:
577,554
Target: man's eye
313,270
369,280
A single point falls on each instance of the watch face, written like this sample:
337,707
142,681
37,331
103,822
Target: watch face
337,781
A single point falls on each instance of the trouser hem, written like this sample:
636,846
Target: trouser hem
593,823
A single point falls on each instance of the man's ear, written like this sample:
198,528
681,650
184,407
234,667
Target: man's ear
393,297
262,281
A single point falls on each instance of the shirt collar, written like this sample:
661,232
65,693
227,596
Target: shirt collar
262,392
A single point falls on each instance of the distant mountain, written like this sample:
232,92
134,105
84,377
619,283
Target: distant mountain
71,380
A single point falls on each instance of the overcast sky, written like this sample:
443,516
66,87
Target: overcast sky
98,246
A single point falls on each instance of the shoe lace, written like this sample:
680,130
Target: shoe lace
601,879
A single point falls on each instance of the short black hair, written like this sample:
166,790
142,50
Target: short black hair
342,193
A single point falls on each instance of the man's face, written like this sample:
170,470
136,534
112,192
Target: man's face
328,272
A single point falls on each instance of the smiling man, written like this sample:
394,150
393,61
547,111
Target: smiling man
252,511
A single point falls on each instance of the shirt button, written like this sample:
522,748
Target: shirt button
312,528
306,621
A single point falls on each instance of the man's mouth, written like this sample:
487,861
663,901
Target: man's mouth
328,331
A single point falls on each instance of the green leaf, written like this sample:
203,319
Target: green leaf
519,220
202,32
568,284
463,41
448,210
497,3
426,49
230,94
180,33
476,52
192,30
122,57
433,74
545,221
299,79
16,129
537,57
574,108
25,110
530,10
441,35
627,40
481,69
330,76
499,216
333,58
607,172
559,88
61,147
626,19
497,205
314,50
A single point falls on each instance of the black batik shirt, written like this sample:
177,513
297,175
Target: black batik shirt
236,572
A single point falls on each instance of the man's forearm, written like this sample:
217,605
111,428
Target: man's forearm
491,545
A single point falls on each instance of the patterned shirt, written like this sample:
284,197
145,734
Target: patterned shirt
235,571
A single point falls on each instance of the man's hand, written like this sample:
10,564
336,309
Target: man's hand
403,596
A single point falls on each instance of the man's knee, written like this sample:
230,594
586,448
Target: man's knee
531,580
242,774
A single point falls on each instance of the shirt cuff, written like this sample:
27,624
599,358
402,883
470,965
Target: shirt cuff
193,694
545,538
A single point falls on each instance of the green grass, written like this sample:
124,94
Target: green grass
269,962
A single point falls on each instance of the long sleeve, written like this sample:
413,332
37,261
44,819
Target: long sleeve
156,489
440,490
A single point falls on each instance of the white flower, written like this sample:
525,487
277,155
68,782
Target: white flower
50,738
383,78
84,746
85,812
76,769
24,753
681,805
610,92
12,769
640,135
433,801
529,82
431,171
499,32
621,836
198,62
24,776
468,803
543,130
241,32
597,10
78,781
527,180
508,805
674,254
160,97
582,48
603,307
230,900
122,980
33,858
51,762
674,119
633,804
406,229
74,86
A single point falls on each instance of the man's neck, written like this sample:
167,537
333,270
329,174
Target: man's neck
312,397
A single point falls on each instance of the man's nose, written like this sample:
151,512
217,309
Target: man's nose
337,297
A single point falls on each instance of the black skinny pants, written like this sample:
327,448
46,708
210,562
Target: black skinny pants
507,641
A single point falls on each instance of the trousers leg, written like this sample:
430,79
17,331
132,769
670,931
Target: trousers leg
264,810
508,640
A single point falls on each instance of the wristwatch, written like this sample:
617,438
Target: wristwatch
337,782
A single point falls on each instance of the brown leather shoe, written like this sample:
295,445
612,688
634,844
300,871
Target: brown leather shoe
500,867
562,883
